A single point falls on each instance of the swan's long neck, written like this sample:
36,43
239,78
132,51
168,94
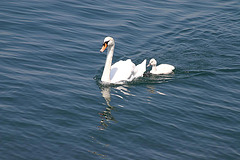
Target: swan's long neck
108,63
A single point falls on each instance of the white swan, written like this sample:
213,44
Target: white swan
122,70
160,69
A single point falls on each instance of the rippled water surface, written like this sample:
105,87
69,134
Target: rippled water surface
53,105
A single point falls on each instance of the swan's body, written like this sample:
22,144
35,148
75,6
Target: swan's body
160,69
122,70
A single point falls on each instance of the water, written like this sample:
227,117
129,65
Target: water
53,105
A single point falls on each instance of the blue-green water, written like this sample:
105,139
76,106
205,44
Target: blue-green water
53,105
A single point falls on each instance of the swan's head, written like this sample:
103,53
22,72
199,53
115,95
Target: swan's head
108,41
152,62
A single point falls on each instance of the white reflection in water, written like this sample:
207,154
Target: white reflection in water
106,115
124,90
120,92
153,90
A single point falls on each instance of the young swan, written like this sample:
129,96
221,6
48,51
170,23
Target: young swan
160,69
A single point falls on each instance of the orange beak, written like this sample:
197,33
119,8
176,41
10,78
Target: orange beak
103,47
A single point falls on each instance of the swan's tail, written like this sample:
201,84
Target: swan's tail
140,69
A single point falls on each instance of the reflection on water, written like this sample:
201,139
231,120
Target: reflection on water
124,90
152,89
100,144
106,115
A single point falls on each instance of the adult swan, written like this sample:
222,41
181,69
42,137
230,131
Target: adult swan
122,70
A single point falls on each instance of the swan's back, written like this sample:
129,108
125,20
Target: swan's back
121,71
140,69
164,69
126,71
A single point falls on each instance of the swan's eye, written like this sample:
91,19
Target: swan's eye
105,42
